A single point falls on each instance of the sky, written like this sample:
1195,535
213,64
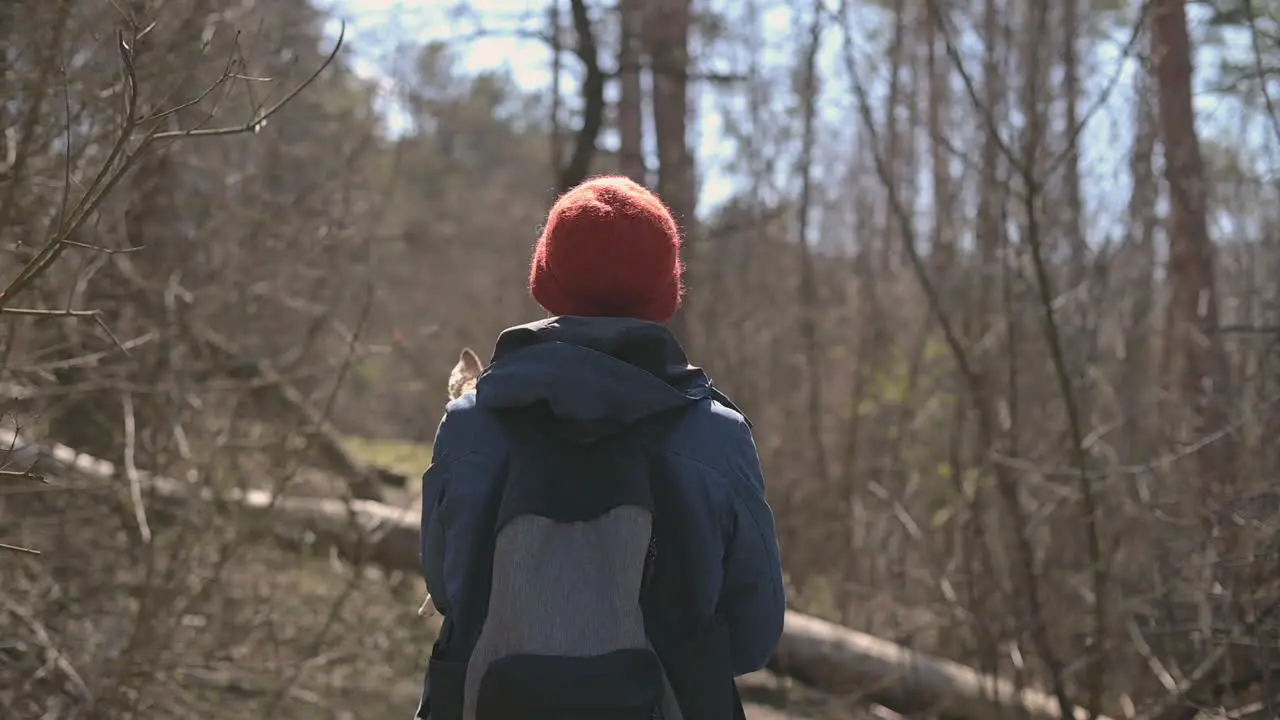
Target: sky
376,27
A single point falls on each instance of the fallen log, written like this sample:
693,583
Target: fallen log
826,656
329,451
372,531
839,660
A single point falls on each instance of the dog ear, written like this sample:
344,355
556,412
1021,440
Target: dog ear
462,379
469,363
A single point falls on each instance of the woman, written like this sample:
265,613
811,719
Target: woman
588,435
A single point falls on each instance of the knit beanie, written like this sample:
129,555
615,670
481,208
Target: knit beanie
610,248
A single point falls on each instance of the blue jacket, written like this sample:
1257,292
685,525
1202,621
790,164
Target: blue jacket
600,375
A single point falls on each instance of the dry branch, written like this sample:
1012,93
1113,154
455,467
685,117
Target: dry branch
120,159
827,656
273,388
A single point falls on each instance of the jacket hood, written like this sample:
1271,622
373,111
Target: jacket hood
596,375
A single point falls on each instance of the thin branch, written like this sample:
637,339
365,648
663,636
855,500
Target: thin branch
22,475
102,182
33,312
254,125
989,121
110,173
103,250
131,470
58,657
1263,85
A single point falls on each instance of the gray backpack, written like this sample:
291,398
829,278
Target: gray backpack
577,608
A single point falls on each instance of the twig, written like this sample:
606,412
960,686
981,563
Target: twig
261,118
226,73
102,325
42,636
101,184
22,475
87,360
131,470
103,250
34,312
15,548
119,162
989,122
1166,706
1162,673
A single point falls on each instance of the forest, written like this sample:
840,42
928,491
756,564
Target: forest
997,283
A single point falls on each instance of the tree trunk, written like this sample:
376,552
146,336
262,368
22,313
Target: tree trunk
807,288
667,35
1195,365
1071,90
630,107
942,250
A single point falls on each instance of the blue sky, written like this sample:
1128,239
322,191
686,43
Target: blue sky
377,27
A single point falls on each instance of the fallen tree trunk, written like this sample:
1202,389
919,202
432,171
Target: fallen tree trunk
826,656
372,531
836,659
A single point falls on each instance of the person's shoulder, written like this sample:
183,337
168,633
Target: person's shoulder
716,415
712,453
711,431
466,427
460,416
461,406
728,414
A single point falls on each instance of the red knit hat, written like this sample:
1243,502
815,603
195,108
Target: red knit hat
610,248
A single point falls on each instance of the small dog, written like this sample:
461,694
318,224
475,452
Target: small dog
462,380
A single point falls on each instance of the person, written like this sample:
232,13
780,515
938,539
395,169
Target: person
594,524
